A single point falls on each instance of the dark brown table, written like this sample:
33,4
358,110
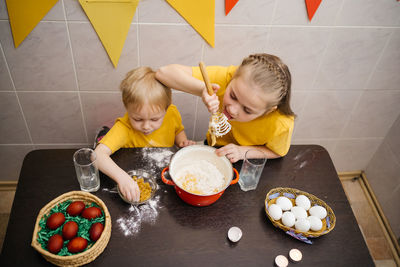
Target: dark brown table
182,235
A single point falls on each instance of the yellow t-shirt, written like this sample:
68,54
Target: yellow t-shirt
122,135
273,130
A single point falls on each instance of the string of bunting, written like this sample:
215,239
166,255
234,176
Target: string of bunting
111,19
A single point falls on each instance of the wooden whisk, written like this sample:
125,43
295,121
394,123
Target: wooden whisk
219,124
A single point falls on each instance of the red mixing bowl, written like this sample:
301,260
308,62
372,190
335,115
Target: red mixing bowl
189,155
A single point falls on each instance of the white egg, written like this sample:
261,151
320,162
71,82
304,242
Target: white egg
302,225
284,203
318,211
303,201
315,223
234,234
288,219
275,211
299,212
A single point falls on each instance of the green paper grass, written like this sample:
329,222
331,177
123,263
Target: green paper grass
83,227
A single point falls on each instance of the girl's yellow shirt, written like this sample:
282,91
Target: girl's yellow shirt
122,135
273,130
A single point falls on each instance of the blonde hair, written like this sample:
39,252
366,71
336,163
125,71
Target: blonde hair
270,74
140,87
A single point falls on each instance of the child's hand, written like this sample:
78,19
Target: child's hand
186,143
129,189
232,152
211,102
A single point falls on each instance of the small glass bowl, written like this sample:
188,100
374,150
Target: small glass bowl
147,178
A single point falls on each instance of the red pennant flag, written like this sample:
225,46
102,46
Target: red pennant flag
229,4
312,6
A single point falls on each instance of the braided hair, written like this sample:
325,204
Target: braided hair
270,74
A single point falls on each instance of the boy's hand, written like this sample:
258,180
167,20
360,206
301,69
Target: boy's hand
232,152
211,102
186,143
129,189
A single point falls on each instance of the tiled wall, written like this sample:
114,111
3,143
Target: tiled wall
59,85
383,173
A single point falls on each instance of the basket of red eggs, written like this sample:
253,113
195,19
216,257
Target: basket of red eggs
73,229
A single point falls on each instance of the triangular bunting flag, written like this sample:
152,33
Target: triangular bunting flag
199,14
229,4
111,20
312,6
25,15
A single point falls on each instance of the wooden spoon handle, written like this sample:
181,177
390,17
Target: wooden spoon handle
205,78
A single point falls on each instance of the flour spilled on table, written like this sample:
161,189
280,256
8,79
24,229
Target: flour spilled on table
156,157
131,223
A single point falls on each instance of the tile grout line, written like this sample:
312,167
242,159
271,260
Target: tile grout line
75,72
16,95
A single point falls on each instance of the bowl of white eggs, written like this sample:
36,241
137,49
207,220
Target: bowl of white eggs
300,212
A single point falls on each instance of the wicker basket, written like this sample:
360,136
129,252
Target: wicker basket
327,224
90,254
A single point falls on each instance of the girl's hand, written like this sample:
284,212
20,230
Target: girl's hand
211,102
232,152
186,143
129,189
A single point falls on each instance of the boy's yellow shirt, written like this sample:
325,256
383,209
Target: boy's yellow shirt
122,135
273,130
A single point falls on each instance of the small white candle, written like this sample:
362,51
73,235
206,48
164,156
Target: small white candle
281,261
295,255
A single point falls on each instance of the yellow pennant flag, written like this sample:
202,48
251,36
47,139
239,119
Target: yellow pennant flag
111,20
199,14
24,15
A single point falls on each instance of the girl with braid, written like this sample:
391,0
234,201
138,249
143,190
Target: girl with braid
255,97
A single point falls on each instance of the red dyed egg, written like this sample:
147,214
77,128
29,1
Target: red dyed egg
55,244
91,213
77,244
69,230
76,208
95,231
55,220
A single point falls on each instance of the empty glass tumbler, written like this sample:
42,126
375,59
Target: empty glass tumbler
251,170
86,169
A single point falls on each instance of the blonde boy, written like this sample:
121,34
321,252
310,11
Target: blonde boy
150,121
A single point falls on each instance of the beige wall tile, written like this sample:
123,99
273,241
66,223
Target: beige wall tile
5,79
374,115
345,65
101,109
186,105
290,12
53,117
3,10
385,76
253,40
158,11
94,68
369,13
43,61
247,12
354,154
12,129
325,114
11,158
393,139
301,49
162,44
